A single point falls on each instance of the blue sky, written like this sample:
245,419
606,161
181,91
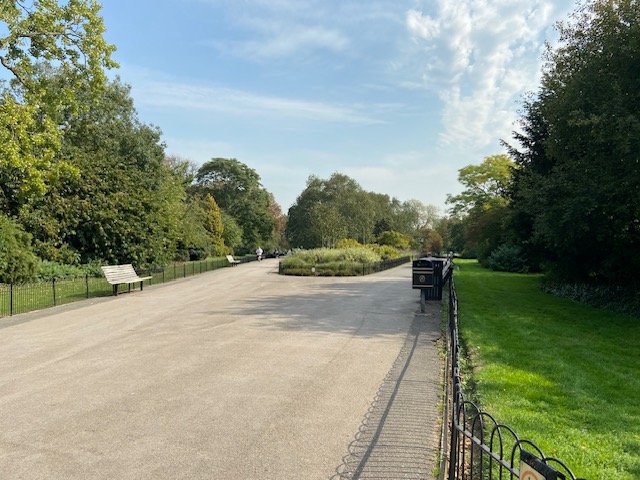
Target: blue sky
397,94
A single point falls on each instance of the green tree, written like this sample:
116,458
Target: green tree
17,260
579,155
213,224
483,204
485,185
232,232
329,210
429,241
237,190
279,239
127,206
34,35
394,239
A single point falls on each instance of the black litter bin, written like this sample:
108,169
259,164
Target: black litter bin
427,276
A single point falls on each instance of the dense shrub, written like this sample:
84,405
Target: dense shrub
348,243
17,260
47,270
614,298
394,239
385,252
507,258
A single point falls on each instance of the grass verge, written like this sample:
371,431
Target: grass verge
564,375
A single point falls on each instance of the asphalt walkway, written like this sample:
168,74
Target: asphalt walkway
237,373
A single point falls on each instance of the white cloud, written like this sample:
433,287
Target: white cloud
285,42
428,181
422,26
242,103
480,58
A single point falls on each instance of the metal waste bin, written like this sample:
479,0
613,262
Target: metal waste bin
427,276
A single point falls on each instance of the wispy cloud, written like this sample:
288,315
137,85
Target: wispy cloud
283,41
480,57
285,29
154,93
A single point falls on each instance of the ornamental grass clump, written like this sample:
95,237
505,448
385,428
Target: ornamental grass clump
329,262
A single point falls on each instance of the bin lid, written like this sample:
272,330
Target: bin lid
428,261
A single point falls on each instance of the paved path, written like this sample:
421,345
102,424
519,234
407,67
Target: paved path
233,374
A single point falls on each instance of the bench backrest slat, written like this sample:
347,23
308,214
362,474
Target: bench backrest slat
120,273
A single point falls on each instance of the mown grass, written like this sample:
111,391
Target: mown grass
564,375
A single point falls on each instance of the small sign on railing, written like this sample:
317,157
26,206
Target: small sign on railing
532,468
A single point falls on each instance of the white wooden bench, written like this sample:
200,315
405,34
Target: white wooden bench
232,260
119,274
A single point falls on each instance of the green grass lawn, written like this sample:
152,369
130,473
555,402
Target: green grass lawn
563,375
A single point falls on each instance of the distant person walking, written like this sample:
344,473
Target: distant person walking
259,253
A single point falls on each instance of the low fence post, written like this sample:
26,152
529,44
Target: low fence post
53,283
11,299
86,283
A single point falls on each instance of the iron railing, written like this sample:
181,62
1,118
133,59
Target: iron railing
476,446
26,297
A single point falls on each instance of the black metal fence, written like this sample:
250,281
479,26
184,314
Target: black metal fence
475,446
26,297
342,268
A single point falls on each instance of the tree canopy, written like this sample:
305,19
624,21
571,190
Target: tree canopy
37,36
483,204
237,190
328,211
577,192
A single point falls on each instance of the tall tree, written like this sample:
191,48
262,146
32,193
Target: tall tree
238,191
127,204
213,224
34,35
580,155
483,204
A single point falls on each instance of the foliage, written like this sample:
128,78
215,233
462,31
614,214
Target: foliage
508,258
194,242
328,255
279,239
27,150
347,243
68,35
34,36
330,210
609,297
577,195
485,185
386,252
213,224
483,205
47,270
127,204
232,232
17,260
451,230
394,239
553,369
428,241
238,192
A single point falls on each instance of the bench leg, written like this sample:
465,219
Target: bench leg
141,285
115,290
